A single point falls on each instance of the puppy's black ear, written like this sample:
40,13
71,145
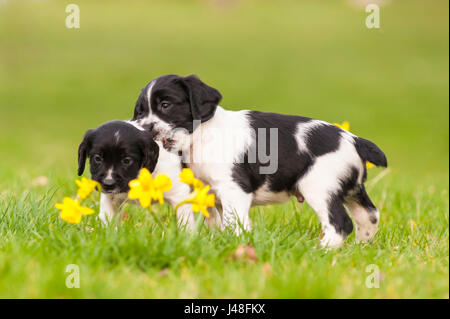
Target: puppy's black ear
83,150
141,107
150,151
203,98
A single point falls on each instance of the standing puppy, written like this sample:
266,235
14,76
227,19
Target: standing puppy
117,151
311,159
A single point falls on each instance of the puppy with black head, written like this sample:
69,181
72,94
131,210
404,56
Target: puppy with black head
255,158
117,150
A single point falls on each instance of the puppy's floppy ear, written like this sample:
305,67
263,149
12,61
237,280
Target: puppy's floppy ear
150,151
141,107
203,98
83,150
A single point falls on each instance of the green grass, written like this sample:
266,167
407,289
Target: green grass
311,58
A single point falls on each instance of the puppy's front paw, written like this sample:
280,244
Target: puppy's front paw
331,239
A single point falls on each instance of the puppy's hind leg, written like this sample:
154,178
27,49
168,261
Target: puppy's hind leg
364,213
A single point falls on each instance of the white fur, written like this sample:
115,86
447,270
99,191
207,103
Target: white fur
109,174
216,171
136,125
205,144
117,136
214,165
110,205
149,94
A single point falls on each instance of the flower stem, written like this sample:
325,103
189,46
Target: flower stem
181,203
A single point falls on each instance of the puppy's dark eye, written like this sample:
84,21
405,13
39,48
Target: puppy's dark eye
165,105
127,161
97,159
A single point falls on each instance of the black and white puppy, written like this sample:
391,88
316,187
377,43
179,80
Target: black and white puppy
311,159
117,151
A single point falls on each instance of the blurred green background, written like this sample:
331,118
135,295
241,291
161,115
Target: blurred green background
313,58
310,58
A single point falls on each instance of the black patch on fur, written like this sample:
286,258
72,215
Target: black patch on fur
323,139
364,200
292,162
338,216
132,143
247,175
349,184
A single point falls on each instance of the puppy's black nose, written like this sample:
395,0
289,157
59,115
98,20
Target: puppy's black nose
108,184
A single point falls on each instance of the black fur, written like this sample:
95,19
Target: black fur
338,216
126,153
83,151
363,199
368,151
323,139
349,184
187,99
292,162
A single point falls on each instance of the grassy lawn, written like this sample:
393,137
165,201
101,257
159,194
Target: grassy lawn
310,58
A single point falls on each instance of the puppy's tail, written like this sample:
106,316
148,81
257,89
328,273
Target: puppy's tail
368,151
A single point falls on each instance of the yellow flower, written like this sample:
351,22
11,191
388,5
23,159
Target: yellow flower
201,200
346,126
187,177
369,165
85,187
71,210
146,188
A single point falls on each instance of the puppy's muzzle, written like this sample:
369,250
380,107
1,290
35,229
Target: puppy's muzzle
150,128
108,184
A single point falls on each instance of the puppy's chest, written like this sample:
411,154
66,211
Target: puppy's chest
209,173
118,199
